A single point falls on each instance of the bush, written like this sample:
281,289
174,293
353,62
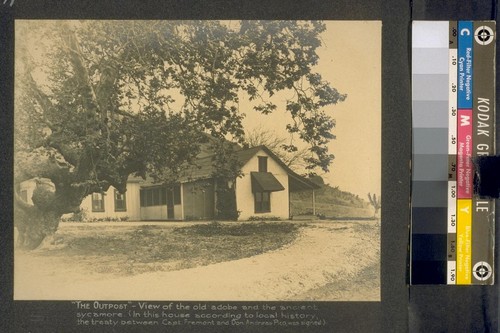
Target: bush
81,216
321,216
78,216
245,229
193,218
264,218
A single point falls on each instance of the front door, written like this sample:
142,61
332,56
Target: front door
170,205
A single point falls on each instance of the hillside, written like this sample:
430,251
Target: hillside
331,202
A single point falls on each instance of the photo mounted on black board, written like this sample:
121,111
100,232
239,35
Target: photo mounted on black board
197,160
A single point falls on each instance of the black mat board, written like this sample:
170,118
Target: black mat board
402,308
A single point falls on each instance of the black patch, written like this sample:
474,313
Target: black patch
487,176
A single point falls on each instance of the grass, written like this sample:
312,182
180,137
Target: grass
331,202
120,250
329,210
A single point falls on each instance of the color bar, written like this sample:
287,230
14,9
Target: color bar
464,152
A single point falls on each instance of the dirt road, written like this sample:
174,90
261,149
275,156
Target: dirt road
336,261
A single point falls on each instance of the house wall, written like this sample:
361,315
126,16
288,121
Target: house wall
245,198
199,200
154,212
178,212
160,212
132,202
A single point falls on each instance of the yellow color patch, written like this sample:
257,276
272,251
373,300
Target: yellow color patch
464,241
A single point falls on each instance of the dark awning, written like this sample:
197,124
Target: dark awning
265,182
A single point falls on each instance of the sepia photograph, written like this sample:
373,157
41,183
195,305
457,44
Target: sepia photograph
197,160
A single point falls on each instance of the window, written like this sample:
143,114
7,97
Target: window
97,202
149,198
143,198
164,196
177,195
262,163
120,202
262,202
156,196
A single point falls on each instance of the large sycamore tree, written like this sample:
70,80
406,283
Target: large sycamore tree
97,101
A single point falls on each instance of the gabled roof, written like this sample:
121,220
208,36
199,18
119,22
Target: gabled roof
296,182
244,155
203,168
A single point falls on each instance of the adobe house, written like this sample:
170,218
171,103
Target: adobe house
263,190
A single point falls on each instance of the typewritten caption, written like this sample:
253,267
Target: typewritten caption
143,314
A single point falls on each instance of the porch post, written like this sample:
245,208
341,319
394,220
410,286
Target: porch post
183,216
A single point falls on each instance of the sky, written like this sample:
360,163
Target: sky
350,59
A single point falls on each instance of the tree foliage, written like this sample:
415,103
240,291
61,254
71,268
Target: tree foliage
293,158
136,97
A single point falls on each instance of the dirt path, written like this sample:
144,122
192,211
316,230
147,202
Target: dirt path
324,257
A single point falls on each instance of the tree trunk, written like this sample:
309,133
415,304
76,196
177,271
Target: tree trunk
33,225
226,202
35,221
